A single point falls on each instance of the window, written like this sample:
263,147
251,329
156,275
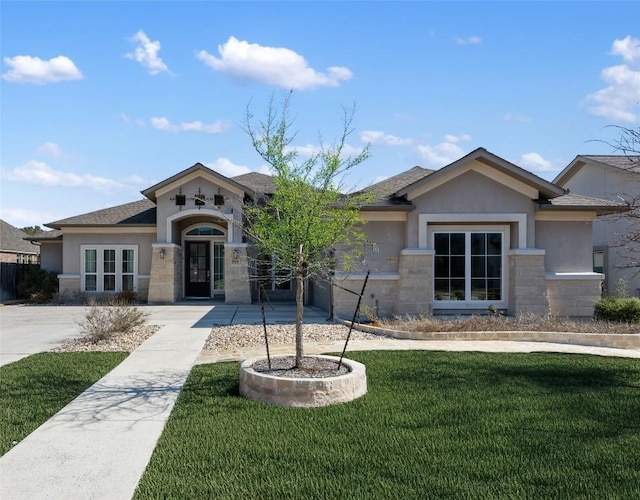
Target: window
205,231
271,278
468,266
218,265
598,261
108,268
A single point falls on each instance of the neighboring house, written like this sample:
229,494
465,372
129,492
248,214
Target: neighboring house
613,178
14,248
479,232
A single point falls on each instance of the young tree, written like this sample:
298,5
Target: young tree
628,243
307,216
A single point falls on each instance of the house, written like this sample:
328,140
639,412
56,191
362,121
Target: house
13,246
479,232
612,177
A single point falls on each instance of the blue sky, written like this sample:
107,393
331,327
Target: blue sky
100,100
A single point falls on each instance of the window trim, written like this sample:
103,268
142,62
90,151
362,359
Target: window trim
467,229
99,249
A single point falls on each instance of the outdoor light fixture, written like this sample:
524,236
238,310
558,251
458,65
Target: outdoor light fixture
162,253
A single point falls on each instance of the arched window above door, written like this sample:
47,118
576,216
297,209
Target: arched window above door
205,231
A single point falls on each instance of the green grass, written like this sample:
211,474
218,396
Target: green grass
33,389
433,425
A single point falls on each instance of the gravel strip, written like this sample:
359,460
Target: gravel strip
119,341
228,338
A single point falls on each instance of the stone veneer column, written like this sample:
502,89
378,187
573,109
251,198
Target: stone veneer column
165,281
415,289
574,294
527,282
237,287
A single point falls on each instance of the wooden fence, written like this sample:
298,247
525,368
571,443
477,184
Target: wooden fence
11,275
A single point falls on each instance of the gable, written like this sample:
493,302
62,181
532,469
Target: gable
472,191
491,166
196,172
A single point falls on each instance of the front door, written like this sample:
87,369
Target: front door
198,282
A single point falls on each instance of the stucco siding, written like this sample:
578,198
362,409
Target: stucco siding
568,245
51,256
612,184
389,239
475,193
72,243
166,207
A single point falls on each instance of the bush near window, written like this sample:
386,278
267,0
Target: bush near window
39,285
619,309
102,322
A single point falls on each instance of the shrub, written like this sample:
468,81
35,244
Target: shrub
102,322
127,297
619,309
39,285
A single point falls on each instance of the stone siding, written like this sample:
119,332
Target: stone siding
165,282
415,289
237,287
573,297
379,296
527,283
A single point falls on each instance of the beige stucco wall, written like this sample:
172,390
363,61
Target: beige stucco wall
389,239
611,184
51,255
567,245
72,242
166,208
472,193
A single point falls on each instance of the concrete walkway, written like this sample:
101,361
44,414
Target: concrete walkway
99,445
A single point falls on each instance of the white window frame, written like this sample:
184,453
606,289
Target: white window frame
505,230
100,267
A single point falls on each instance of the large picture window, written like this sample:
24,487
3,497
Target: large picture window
469,266
108,268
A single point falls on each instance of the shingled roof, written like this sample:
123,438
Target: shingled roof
572,201
624,162
12,239
383,192
138,213
257,182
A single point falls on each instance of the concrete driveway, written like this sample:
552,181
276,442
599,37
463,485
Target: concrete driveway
29,329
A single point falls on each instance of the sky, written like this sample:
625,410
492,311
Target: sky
100,100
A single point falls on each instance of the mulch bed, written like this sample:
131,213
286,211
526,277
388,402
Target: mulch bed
311,367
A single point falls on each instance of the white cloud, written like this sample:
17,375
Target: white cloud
536,163
27,69
516,118
272,65
628,48
146,53
472,40
620,100
226,167
162,123
39,173
445,152
455,139
22,217
379,137
50,148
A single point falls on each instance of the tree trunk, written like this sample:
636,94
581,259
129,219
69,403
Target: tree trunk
299,313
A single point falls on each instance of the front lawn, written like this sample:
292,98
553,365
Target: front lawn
34,389
433,425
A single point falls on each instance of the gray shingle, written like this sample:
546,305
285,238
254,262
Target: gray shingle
138,213
577,201
257,182
12,240
624,162
383,192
